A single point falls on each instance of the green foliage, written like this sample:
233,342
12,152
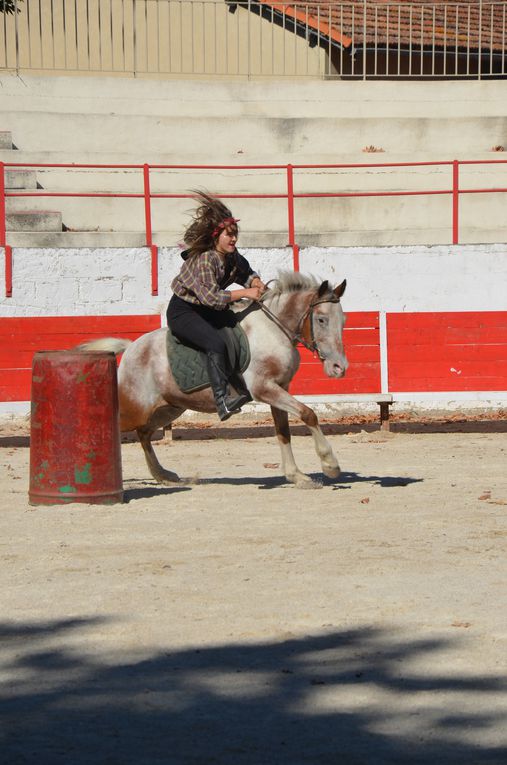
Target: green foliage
9,6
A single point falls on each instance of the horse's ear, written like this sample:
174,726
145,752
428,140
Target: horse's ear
324,287
338,291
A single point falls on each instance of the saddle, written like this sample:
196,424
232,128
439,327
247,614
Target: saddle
189,365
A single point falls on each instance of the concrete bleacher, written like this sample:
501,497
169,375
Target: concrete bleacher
87,120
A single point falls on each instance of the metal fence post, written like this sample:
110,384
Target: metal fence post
455,202
479,45
364,40
6,248
290,210
134,36
16,34
149,242
2,204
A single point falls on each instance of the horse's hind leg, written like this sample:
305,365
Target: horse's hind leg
159,419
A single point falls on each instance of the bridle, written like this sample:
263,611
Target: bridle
304,333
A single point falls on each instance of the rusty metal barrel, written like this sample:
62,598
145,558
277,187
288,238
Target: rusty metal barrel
75,445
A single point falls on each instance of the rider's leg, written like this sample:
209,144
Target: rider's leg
238,383
227,403
191,325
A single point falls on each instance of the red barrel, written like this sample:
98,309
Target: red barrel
75,446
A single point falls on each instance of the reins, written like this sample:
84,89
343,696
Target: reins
299,335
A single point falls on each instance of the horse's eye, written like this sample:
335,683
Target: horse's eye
322,320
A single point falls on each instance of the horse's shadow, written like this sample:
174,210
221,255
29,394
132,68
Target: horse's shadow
344,481
385,481
264,483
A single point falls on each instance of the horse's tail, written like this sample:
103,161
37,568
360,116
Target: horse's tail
115,344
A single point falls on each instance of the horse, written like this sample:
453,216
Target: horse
295,309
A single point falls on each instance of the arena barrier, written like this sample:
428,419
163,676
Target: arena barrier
390,355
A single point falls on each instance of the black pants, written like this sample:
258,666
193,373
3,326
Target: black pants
198,325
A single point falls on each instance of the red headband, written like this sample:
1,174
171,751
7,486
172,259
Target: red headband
224,224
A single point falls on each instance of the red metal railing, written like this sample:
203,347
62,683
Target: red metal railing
290,195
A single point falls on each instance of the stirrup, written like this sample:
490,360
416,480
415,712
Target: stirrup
242,399
226,409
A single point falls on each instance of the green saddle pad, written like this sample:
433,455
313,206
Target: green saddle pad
189,367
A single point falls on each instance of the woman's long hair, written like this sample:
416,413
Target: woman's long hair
209,215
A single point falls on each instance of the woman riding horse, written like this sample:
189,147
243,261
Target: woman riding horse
200,305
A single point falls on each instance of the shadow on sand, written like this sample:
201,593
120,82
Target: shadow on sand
337,697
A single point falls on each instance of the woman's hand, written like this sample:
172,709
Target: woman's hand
253,293
257,282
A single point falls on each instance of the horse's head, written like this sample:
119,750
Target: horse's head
325,324
310,314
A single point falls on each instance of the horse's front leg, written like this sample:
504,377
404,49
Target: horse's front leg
282,404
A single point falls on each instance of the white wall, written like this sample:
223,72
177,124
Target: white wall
59,282
460,278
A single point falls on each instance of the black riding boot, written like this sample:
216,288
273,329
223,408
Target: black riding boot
237,381
227,405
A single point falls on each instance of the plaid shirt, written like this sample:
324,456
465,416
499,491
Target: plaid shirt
203,278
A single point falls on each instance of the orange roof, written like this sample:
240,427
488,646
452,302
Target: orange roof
445,24
314,20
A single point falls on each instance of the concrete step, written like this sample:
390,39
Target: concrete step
20,178
5,140
433,235
244,135
207,99
33,220
198,155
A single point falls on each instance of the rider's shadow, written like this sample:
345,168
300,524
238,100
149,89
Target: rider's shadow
346,479
146,491
270,482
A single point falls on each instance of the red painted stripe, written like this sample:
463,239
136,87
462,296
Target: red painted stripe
359,371
15,384
445,334
61,342
433,384
355,337
446,369
69,324
22,337
360,319
453,351
432,352
448,318
327,386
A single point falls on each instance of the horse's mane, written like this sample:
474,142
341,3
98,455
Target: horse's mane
291,281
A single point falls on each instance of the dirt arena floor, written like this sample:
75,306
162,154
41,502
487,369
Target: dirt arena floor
241,621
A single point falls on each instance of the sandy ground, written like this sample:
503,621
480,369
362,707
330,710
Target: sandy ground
242,621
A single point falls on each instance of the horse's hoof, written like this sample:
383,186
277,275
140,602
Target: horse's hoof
303,481
168,479
332,472
309,485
